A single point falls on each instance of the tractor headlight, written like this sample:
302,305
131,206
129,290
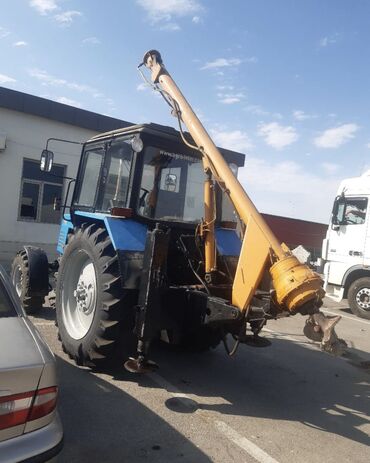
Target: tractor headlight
137,144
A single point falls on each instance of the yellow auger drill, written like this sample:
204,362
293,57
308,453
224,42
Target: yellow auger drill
294,287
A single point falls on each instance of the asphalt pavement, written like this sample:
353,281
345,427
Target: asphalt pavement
285,403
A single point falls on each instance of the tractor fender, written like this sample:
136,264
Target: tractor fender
128,237
65,228
125,234
38,270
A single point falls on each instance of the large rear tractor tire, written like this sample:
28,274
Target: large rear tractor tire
21,280
359,297
93,311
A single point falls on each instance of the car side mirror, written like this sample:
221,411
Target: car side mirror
46,160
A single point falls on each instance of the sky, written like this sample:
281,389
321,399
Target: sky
285,82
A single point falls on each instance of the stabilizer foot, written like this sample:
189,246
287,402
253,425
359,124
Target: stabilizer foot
320,328
140,365
312,331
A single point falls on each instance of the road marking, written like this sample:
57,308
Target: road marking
360,320
244,443
227,431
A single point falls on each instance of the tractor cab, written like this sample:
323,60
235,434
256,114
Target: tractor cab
145,172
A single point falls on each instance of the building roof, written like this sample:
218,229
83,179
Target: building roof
52,110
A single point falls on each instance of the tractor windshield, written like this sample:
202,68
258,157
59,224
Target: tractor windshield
171,186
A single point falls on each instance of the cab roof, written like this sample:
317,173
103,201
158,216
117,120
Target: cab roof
356,185
163,132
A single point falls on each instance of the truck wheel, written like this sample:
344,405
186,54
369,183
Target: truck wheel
91,304
359,297
21,281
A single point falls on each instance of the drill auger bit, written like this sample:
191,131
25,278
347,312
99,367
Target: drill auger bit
320,328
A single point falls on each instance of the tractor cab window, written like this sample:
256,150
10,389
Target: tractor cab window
228,213
118,166
171,186
91,166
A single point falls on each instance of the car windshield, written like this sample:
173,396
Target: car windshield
6,307
171,186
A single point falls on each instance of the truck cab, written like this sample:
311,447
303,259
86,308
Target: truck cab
346,248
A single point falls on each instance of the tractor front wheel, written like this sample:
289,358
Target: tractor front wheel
91,304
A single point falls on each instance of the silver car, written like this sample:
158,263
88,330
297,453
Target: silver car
30,427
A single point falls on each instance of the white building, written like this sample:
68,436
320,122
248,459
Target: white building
27,215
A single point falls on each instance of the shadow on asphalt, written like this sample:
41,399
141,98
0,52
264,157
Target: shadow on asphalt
283,382
346,310
44,313
101,421
286,381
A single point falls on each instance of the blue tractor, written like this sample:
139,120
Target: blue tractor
131,263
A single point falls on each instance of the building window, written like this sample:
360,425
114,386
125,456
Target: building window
39,192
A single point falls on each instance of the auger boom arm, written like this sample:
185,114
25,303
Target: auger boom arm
297,288
293,294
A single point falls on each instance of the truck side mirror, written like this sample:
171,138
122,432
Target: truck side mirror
339,210
46,160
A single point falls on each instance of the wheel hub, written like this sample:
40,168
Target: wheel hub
85,297
363,298
79,294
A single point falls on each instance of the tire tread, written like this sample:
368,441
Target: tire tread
96,349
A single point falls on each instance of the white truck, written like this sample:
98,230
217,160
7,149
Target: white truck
346,248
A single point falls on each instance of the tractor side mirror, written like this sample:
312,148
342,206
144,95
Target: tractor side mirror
46,160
